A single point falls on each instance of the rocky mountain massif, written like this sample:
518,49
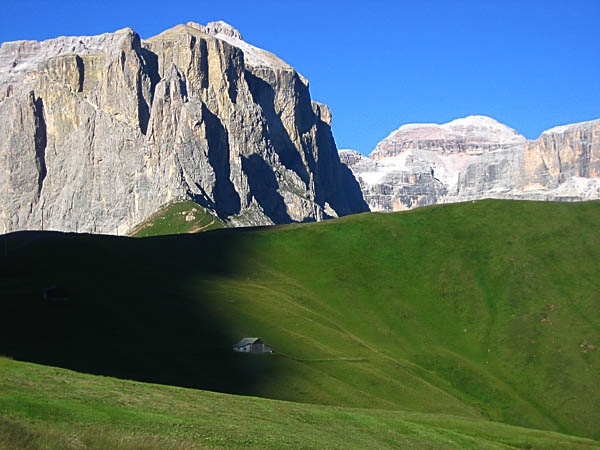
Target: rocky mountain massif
476,157
98,132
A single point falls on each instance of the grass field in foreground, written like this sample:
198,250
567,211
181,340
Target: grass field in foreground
50,408
481,310
177,217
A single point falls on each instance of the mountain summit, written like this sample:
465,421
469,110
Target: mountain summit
218,28
98,132
471,135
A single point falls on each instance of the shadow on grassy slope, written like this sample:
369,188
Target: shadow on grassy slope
480,309
131,312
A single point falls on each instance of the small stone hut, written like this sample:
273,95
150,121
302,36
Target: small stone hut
252,345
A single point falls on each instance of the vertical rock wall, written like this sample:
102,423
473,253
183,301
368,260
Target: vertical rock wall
99,132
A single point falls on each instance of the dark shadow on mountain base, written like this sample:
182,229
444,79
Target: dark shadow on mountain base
263,187
349,199
226,198
264,95
140,309
336,182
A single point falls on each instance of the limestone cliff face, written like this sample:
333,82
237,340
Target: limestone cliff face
98,132
477,157
562,153
473,135
395,184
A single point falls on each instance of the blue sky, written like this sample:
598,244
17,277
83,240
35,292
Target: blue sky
530,64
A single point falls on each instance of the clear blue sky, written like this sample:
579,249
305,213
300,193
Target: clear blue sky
531,64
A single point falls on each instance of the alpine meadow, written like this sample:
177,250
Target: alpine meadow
468,314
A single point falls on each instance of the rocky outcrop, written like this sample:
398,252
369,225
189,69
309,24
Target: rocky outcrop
395,184
98,132
562,153
476,157
473,135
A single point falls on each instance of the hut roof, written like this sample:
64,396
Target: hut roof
246,341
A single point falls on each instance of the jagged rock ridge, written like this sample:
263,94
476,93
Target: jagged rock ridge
98,132
476,157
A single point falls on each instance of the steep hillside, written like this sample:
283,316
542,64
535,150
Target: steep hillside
474,158
104,413
176,218
486,309
98,132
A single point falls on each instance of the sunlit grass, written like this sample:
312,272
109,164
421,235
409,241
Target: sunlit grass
176,218
480,310
66,410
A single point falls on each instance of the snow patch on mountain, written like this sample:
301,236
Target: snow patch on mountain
254,56
565,128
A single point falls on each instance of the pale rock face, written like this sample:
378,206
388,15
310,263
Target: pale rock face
99,132
474,158
564,152
395,184
473,135
218,27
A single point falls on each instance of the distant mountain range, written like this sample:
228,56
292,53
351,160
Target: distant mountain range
99,132
477,157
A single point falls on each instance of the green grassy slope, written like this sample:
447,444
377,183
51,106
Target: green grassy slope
486,309
176,218
44,407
